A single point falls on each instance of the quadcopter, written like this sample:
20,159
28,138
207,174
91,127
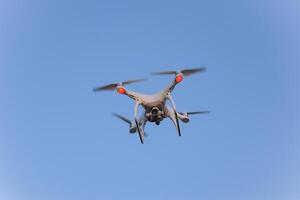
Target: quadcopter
155,106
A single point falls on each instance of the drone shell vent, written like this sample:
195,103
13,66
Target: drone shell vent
121,90
179,78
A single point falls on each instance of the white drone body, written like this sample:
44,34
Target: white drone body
155,106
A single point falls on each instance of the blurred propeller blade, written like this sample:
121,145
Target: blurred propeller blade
164,73
106,87
122,118
132,81
114,85
185,72
188,72
198,112
194,113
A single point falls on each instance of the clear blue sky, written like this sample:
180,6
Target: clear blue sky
59,141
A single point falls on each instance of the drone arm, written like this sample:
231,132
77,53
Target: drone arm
133,95
170,87
178,78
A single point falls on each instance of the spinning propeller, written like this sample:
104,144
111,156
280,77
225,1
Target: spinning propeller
132,130
114,86
184,72
193,113
122,118
181,73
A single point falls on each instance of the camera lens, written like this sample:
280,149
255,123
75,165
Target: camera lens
154,111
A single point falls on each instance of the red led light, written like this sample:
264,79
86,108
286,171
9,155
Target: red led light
121,90
179,78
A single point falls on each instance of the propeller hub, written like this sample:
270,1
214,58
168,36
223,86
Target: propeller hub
179,78
121,90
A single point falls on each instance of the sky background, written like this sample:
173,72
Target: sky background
59,141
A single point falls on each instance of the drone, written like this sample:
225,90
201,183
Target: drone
155,107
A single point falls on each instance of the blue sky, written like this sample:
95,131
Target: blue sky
59,140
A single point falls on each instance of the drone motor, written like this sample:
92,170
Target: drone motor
121,90
179,78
